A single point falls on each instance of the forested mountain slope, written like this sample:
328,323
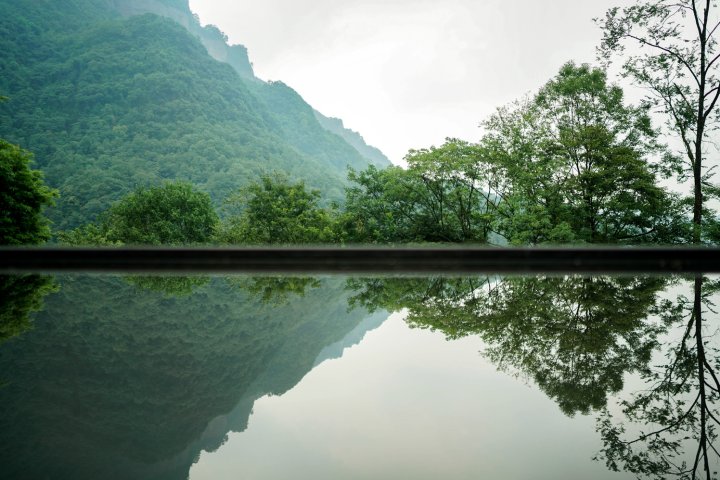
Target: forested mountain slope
110,98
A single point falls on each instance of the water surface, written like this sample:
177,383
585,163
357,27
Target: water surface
323,378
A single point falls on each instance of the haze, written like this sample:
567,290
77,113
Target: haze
408,73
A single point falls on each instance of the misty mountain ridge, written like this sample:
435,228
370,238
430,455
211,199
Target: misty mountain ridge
110,95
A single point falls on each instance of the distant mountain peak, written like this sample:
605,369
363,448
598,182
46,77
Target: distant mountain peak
216,43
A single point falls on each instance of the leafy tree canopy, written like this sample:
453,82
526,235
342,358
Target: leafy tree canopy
677,65
440,197
23,195
275,210
577,166
174,213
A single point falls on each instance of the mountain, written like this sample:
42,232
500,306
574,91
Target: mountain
119,382
114,94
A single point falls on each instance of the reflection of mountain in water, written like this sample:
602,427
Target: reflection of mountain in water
337,349
115,382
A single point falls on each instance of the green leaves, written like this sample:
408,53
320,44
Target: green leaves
276,211
170,214
677,64
441,197
173,213
23,196
577,166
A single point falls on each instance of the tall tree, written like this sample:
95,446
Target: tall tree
677,61
669,428
442,196
23,195
174,213
275,210
577,163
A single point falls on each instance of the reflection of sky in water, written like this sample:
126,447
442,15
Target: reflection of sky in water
406,403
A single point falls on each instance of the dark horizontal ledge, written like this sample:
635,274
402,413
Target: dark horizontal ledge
360,260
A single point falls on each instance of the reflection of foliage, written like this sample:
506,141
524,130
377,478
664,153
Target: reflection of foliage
677,407
575,337
276,290
171,286
116,382
21,295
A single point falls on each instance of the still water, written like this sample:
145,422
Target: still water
327,378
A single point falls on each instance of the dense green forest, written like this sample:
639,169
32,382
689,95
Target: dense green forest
109,103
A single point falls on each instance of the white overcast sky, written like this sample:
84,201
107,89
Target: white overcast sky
409,73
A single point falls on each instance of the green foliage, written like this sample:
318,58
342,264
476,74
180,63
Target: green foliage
21,296
438,198
174,213
109,103
668,428
23,196
276,290
571,165
677,64
576,166
379,207
276,211
170,286
171,214
90,235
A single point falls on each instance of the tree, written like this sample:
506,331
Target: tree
174,213
441,197
23,195
454,199
380,206
677,61
170,214
576,162
275,211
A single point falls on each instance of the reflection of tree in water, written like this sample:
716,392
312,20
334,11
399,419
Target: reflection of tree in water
677,412
21,295
575,337
170,286
273,290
